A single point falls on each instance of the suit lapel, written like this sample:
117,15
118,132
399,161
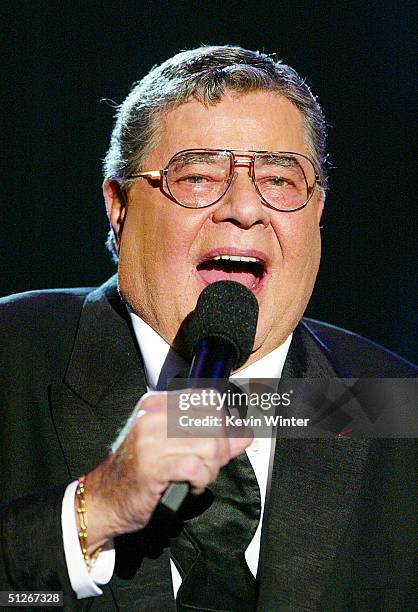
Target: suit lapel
103,383
313,490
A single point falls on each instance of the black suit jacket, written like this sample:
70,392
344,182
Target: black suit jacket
338,532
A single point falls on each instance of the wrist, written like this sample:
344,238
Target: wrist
92,533
90,552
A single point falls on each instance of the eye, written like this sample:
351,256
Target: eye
275,181
194,178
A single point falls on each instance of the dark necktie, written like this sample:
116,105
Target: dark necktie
210,552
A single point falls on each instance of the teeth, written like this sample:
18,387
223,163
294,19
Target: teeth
236,258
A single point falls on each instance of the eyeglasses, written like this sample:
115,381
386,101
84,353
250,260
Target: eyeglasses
197,178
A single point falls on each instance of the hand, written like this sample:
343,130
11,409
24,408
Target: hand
124,490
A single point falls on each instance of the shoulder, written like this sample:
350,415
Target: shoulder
42,297
357,355
39,326
32,309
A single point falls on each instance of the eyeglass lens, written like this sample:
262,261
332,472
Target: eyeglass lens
200,178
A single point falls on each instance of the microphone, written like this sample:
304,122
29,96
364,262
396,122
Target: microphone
219,338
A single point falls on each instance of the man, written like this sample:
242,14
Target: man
216,170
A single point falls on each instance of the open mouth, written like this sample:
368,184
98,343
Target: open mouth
248,271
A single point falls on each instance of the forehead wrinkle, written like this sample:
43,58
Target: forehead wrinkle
166,127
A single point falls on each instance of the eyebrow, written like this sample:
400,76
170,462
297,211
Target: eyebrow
281,160
194,158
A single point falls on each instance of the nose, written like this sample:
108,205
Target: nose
241,204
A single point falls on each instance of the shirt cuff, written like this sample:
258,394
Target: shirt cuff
83,581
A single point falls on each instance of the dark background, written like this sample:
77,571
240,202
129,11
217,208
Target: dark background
59,59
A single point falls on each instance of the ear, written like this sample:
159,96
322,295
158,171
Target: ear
319,204
116,202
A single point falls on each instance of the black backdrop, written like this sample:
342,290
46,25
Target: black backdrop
59,59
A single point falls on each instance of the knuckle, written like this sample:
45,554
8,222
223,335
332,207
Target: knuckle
210,448
152,400
150,427
192,466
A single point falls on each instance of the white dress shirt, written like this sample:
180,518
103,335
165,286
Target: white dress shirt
161,363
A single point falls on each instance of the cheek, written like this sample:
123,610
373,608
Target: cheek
163,235
298,239
172,246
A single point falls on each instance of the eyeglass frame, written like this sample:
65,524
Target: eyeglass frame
160,174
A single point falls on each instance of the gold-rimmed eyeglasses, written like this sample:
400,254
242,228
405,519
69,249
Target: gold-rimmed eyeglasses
197,178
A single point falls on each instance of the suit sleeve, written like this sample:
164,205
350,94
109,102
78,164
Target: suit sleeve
32,555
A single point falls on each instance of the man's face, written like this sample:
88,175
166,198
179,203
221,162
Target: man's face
163,245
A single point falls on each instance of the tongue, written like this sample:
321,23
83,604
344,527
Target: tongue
245,277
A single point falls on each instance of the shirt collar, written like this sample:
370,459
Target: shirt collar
162,363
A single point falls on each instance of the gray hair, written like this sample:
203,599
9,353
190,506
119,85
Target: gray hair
205,74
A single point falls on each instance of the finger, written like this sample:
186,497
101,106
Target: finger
188,468
152,401
212,452
238,445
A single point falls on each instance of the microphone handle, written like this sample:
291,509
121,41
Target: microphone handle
213,361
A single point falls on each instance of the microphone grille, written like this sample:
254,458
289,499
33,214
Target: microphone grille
227,310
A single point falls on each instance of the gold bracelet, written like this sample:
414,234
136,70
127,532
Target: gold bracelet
89,560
